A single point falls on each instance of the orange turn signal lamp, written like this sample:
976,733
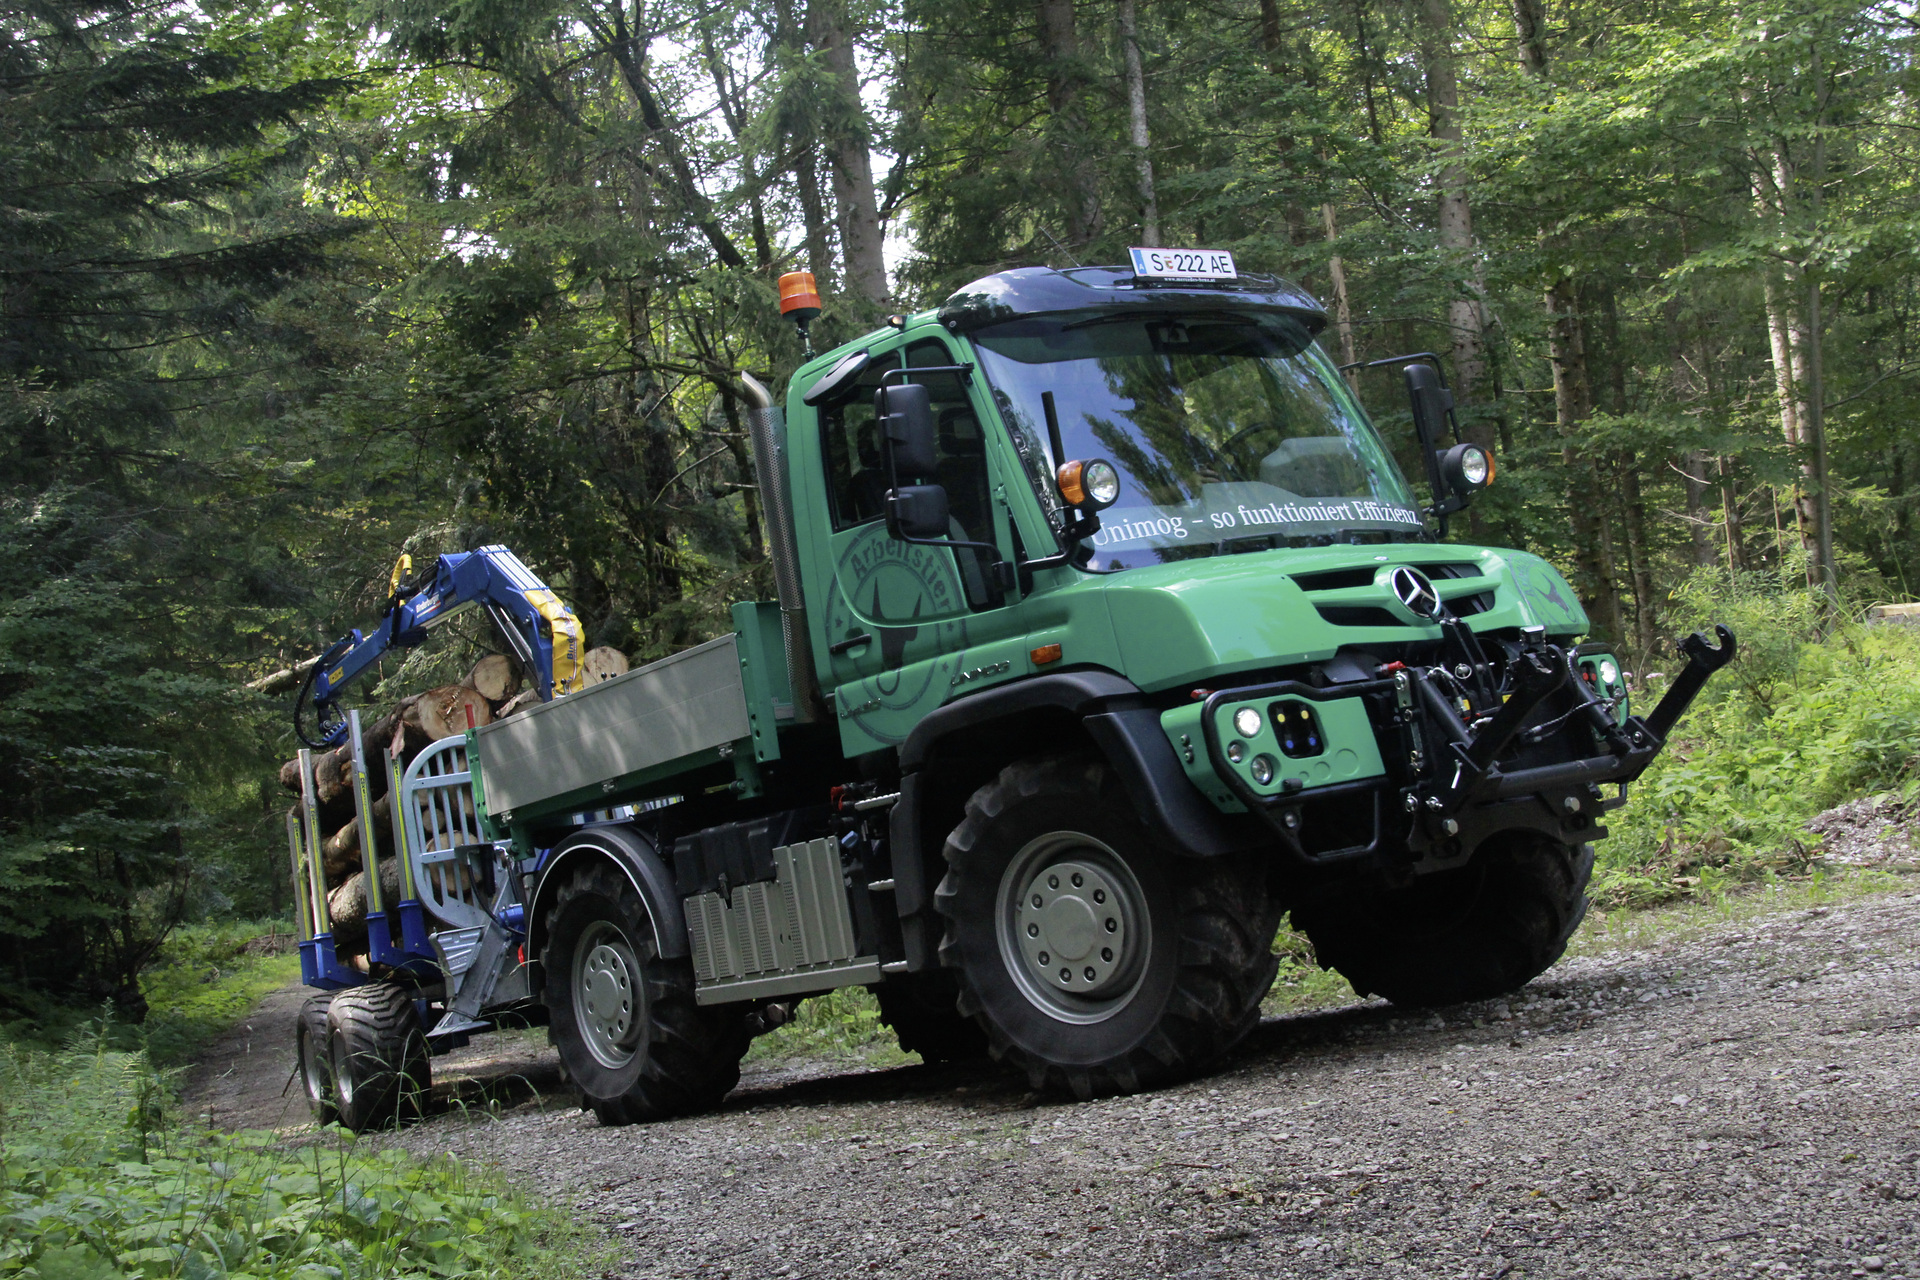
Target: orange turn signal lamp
1044,654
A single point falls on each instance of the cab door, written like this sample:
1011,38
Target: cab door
902,616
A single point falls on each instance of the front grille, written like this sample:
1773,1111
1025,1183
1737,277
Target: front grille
1358,615
1451,569
1336,579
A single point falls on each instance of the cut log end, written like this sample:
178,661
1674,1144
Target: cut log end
604,663
494,677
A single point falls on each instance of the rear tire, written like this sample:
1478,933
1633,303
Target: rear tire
381,1072
630,1035
924,1011
1482,931
315,1059
1092,958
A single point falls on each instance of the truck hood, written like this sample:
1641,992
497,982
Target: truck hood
1192,620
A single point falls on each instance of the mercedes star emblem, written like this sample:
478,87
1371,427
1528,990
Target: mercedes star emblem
1412,589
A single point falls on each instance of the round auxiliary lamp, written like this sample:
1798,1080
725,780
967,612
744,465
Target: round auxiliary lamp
800,303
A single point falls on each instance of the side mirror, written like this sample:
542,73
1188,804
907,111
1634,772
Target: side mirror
917,511
906,424
1430,402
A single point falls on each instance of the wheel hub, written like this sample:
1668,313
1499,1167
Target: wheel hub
604,996
1071,927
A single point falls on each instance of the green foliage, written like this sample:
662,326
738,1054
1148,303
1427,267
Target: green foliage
1806,724
207,977
843,1024
94,1182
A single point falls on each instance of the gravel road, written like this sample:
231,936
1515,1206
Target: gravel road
1745,1103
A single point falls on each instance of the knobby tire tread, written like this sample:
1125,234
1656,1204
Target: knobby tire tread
1227,918
1529,898
693,1052
377,1024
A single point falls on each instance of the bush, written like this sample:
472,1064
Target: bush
95,1183
1820,709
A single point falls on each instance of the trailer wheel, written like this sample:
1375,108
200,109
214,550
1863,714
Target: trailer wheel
924,1011
624,1019
1091,957
1482,931
314,1058
381,1071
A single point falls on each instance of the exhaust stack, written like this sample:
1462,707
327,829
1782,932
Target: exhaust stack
765,424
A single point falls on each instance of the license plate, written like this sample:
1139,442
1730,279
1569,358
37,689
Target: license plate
1184,264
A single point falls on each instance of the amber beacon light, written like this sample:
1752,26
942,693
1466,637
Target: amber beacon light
800,303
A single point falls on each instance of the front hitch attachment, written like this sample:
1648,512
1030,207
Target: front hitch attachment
1702,661
1538,676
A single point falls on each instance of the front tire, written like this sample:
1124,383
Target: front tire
630,1035
1092,958
378,1056
1472,934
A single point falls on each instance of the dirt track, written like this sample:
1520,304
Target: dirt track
1747,1104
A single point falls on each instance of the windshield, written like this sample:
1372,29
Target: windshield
1231,431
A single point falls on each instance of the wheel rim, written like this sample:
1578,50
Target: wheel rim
606,994
343,1082
1073,927
313,1069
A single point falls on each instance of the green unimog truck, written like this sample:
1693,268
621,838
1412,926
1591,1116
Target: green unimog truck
1108,633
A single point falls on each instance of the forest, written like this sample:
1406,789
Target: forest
288,289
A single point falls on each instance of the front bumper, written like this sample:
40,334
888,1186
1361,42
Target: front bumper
1397,760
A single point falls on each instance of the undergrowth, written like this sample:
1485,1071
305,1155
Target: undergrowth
1818,708
843,1024
96,1180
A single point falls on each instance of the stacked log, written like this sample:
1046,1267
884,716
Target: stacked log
491,690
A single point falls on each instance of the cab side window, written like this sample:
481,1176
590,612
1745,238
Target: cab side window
961,448
856,475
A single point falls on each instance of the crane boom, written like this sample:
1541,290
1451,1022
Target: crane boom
544,634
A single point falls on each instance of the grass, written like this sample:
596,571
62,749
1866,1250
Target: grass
841,1026
1701,914
97,1181
207,979
100,1178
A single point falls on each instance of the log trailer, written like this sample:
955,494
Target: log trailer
1108,631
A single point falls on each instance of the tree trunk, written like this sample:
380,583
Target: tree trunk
1634,519
1530,31
1060,45
1573,404
806,165
1137,121
1465,317
1337,276
1790,343
849,150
